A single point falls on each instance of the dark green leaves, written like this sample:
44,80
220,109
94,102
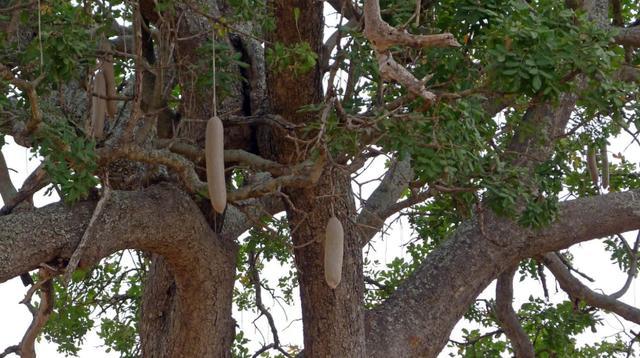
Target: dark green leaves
298,58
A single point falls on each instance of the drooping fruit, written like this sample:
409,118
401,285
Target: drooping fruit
98,106
214,156
333,252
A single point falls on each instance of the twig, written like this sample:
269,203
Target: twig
254,277
40,317
88,233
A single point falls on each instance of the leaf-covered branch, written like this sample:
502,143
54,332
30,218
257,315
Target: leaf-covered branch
383,36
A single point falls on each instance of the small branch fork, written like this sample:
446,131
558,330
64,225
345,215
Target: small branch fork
304,174
88,233
383,37
254,277
26,348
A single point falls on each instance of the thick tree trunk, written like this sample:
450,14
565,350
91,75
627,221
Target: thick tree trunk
198,327
198,322
333,320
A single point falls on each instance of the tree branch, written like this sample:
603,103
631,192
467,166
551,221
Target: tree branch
628,36
254,277
578,290
7,190
507,317
34,182
29,89
468,261
346,8
41,315
201,263
633,268
376,208
382,36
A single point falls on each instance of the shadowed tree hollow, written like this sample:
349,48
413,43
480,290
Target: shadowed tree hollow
196,145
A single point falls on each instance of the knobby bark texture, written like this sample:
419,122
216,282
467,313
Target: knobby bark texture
200,262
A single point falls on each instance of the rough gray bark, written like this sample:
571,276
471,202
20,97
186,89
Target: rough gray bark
417,319
202,264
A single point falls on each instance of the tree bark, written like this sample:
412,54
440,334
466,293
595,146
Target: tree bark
200,323
417,319
333,320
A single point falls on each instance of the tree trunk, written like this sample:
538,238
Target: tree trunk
199,326
333,319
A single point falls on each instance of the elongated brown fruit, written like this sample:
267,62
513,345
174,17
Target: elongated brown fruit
605,166
109,77
214,155
98,106
592,165
110,82
333,252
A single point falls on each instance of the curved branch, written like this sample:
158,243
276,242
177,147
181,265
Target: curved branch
467,262
382,36
507,317
578,290
377,207
633,268
202,264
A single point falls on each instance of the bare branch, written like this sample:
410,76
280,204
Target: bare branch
383,36
633,267
88,233
578,290
507,317
34,182
7,190
41,315
254,277
10,350
304,175
382,202
346,8
30,238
